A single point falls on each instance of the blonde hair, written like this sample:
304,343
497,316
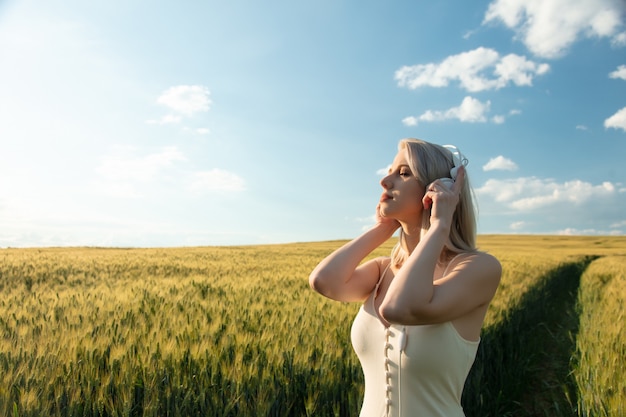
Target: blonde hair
429,162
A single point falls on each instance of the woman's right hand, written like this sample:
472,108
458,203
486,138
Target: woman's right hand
342,276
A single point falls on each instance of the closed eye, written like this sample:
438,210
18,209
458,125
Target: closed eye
405,172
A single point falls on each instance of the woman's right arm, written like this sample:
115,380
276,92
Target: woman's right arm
340,277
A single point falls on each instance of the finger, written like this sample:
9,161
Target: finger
460,180
427,201
432,187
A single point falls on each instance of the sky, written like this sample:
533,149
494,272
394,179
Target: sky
163,124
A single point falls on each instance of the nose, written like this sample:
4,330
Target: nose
385,182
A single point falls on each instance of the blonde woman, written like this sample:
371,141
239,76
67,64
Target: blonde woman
418,330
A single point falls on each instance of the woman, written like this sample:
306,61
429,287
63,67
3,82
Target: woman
418,330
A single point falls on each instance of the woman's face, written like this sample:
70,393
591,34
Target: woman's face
402,193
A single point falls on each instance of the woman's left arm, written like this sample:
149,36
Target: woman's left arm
414,298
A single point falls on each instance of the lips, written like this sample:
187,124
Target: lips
384,197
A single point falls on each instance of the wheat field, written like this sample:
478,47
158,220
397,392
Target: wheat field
236,331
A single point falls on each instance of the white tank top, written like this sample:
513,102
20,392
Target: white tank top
410,370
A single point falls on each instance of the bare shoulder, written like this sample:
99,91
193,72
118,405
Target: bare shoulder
383,263
375,267
484,268
362,281
489,263
477,259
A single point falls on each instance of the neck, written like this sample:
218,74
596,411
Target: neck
412,235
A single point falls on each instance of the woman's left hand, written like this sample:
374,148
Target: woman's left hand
442,200
391,224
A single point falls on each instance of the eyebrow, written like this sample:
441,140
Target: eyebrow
390,170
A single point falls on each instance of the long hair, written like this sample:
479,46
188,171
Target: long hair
429,162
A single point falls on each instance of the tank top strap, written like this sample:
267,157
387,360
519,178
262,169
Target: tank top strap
380,279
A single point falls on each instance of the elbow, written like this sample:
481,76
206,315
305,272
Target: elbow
392,314
317,283
398,314
314,282
325,285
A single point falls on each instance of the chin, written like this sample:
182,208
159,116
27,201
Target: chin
388,214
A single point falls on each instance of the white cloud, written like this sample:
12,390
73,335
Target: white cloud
549,27
183,101
383,171
410,121
186,99
570,231
531,193
498,119
117,189
619,40
517,225
471,70
469,34
216,180
617,121
197,131
620,72
618,224
470,110
500,163
581,127
518,70
165,120
124,166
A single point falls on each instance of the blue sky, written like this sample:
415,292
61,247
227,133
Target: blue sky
136,123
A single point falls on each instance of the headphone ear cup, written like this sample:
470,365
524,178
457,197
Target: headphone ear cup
458,159
453,172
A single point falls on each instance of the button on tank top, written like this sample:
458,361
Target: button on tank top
410,370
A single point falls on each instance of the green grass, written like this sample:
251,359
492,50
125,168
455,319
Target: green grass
600,363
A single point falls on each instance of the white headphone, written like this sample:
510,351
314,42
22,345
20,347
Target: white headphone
458,159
